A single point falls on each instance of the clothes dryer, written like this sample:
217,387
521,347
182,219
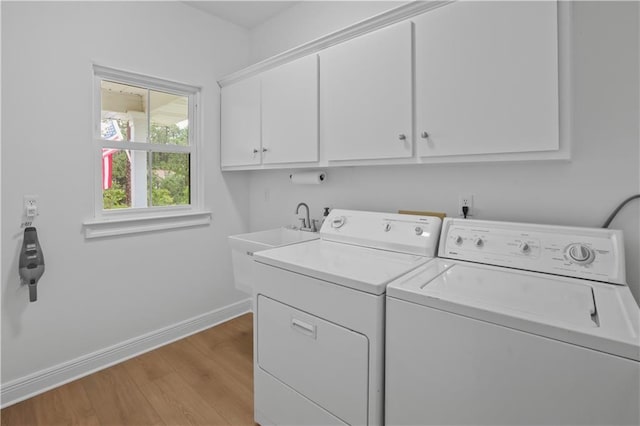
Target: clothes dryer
319,317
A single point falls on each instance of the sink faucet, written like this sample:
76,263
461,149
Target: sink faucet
306,223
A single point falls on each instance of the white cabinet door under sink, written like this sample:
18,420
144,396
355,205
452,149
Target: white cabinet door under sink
240,123
487,78
290,112
365,96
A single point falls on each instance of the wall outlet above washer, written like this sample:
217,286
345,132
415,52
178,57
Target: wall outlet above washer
465,200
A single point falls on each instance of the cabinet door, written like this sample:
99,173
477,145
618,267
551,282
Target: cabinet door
240,123
487,78
290,112
365,96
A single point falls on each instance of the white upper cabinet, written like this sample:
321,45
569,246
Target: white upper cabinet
240,123
464,81
366,96
290,112
487,78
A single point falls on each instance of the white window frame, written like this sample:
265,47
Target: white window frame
143,219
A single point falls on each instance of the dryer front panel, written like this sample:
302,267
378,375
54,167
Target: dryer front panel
325,362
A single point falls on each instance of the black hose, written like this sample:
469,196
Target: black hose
615,212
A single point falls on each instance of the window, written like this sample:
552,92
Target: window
146,146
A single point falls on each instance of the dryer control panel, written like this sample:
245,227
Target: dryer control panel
589,253
388,231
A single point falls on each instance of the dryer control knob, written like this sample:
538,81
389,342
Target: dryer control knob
580,254
387,227
458,240
338,222
524,248
419,230
478,242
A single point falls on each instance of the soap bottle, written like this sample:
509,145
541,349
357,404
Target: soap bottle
324,216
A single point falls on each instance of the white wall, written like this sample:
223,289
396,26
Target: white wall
98,293
308,21
603,171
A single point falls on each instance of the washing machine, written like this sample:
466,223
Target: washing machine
319,317
514,324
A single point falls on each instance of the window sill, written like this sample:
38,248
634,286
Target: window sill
133,225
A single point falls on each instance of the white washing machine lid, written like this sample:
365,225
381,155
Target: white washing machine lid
528,295
590,314
361,268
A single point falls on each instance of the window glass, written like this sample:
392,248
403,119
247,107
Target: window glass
170,179
115,130
116,179
126,182
146,147
169,118
128,106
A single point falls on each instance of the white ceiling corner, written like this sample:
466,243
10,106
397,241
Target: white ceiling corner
247,14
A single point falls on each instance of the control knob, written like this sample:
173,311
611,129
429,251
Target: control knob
524,247
458,240
580,254
338,222
419,230
478,242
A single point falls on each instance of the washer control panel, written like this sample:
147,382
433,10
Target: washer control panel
590,253
388,231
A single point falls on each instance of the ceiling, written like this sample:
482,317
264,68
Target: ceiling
247,14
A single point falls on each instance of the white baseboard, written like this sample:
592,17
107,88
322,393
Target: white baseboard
44,380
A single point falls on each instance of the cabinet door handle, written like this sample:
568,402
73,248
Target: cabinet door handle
402,137
424,135
303,327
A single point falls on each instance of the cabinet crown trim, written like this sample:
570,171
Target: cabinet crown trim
368,25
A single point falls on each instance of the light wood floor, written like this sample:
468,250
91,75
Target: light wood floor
204,379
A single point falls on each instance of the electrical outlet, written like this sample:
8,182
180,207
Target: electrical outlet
30,205
465,200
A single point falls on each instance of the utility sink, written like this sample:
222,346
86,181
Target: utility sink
244,245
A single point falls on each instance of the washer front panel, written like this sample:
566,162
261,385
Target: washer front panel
443,368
